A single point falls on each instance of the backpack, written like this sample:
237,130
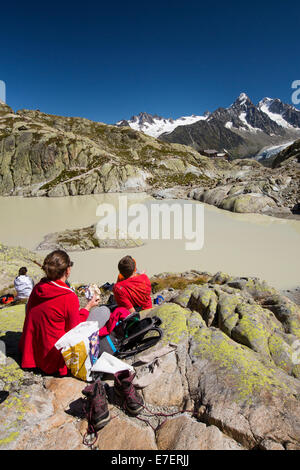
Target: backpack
131,336
6,299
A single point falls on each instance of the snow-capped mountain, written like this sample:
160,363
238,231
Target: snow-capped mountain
157,125
244,116
283,114
244,129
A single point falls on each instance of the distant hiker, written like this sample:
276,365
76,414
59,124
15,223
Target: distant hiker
23,284
52,310
132,289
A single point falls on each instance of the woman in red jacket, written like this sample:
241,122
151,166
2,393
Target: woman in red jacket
52,310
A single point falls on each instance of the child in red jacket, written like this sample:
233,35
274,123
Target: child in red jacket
133,289
132,292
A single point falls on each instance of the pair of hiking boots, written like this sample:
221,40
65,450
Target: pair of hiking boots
98,413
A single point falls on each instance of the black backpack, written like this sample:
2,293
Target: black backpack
131,336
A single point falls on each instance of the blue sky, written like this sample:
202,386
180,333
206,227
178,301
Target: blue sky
108,61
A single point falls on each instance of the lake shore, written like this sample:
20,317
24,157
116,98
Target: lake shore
240,244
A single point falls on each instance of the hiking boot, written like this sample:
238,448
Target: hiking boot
125,389
97,411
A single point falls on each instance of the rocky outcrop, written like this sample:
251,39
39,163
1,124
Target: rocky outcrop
230,380
237,198
252,188
288,157
12,259
85,239
46,155
247,187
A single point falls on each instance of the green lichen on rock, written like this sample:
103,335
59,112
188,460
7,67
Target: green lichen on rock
236,306
12,318
287,312
238,366
10,438
281,353
174,320
11,323
183,297
11,374
15,409
250,330
220,278
204,300
228,317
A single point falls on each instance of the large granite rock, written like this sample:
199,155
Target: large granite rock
250,197
85,239
230,380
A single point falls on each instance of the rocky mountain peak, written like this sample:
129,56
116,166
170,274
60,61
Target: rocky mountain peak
143,118
284,114
243,101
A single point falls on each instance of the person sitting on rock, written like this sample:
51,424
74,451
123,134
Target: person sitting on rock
23,284
52,310
132,289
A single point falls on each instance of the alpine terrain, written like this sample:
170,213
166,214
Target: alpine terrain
243,129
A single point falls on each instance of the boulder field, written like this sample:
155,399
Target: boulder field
248,187
231,378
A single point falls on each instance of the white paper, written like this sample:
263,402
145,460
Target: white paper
110,364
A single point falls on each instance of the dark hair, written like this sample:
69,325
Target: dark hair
22,271
126,266
55,264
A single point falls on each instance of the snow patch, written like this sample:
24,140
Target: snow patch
161,125
264,107
228,125
271,151
247,126
243,99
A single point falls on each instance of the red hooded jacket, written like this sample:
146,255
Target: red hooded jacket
133,292
52,310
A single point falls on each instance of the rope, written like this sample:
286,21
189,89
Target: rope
165,415
130,394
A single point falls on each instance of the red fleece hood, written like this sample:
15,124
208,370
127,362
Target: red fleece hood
46,289
52,310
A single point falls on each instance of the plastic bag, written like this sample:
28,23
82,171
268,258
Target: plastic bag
75,349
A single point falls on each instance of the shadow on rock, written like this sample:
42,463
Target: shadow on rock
3,396
11,341
77,408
